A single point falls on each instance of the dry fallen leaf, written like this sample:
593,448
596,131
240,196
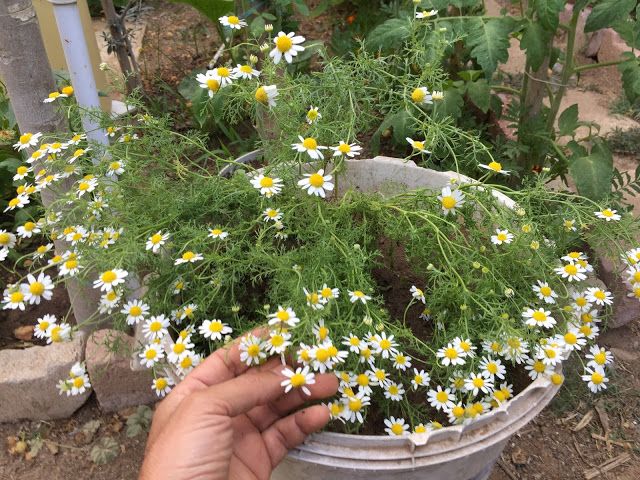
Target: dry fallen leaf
24,333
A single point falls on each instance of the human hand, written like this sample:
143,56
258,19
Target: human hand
228,421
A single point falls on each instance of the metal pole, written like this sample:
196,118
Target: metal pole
76,54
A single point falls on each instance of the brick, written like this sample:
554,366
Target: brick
117,386
28,380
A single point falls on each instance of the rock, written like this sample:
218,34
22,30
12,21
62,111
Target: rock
28,380
115,384
625,355
611,46
625,309
24,333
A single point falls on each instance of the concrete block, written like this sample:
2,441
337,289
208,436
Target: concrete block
625,309
28,380
117,386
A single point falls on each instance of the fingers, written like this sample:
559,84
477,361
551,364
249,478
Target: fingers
291,431
263,416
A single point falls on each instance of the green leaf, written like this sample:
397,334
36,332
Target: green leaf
470,75
548,12
535,42
139,422
257,26
104,451
480,94
212,9
450,106
489,42
389,35
593,173
401,125
608,12
629,29
630,70
568,121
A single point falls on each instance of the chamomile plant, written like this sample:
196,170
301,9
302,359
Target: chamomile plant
432,307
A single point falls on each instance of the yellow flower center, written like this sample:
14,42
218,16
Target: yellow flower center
135,311
323,332
25,138
150,354
344,148
418,95
282,315
277,340
570,269
597,378
68,90
213,84
261,95
155,326
545,291
216,231
224,72
42,326
266,182
55,334
385,344
156,238
310,143
83,186
233,20
22,170
458,411
502,237
393,390
246,69
78,382
363,380
16,297
322,355
186,362
4,238
607,212
478,382
586,330
109,276
418,145
178,348
557,379
298,380
284,43
71,264
539,316
380,375
442,396
599,294
397,429
448,202
36,288
538,366
355,404
600,358
492,368
188,256
316,180
495,166
451,353
312,114
570,338
54,94
161,383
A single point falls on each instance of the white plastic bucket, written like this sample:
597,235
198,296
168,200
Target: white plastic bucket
462,452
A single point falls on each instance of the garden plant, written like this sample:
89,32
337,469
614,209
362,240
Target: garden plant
491,287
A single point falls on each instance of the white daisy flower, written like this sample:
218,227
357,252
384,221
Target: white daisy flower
418,145
598,357
252,350
394,391
58,332
180,349
232,21
80,152
437,95
477,383
135,310
572,339
310,146
128,137
538,318
421,96
188,257
272,214
267,94
456,414
22,172
358,295
424,14
450,200
44,322
287,46
544,292
284,316
608,215
116,167
214,329
151,354
246,72
313,115
441,399
596,378
598,296
155,327
551,353
501,236
494,167
451,355
268,186
53,96
157,240
223,75
572,272
420,378
317,183
162,386
492,368
299,378
79,384
327,293
396,427
190,361
86,185
537,368
278,342
346,149
28,230
218,234
70,266
354,406
7,239
401,361
38,288
353,342
207,81
77,138
17,202
27,140
110,279
383,346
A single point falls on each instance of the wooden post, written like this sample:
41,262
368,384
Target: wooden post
27,76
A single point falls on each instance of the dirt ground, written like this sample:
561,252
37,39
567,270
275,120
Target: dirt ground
574,436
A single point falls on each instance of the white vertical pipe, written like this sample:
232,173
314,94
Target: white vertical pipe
78,60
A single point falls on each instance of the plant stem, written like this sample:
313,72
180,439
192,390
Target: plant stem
567,71
591,66
503,88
